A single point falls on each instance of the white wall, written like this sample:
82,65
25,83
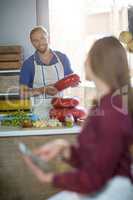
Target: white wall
17,17
98,23
42,9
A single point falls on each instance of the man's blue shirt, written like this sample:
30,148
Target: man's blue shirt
28,69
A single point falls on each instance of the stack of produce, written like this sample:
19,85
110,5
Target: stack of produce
126,38
62,107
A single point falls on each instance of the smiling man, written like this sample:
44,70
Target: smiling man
42,69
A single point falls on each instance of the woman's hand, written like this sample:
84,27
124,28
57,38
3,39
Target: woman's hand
53,149
41,176
47,152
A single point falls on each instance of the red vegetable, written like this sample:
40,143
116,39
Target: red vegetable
61,113
67,81
64,102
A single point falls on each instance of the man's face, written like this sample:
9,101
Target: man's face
40,41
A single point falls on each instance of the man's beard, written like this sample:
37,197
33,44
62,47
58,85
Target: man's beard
44,50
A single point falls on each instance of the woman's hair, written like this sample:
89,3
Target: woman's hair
108,61
38,28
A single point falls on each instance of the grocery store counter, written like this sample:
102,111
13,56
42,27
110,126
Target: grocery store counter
16,180
10,131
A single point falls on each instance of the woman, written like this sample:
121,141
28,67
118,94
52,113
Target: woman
101,158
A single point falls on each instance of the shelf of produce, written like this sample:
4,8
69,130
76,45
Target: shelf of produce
11,131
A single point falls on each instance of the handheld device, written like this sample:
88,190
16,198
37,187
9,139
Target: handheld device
43,165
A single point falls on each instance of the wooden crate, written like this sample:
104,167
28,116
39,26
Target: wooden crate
10,49
10,65
9,83
11,57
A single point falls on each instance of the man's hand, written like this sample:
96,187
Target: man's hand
51,90
75,85
24,91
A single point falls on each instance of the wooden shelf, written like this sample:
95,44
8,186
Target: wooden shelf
9,72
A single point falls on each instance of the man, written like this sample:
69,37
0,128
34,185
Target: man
41,70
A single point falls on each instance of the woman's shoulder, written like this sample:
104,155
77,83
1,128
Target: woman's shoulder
115,112
114,103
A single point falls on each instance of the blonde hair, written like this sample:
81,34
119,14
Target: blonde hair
38,28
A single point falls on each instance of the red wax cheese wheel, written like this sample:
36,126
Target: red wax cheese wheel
67,81
58,102
61,113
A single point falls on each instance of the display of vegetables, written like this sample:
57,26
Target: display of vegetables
15,119
51,123
64,110
68,81
59,102
40,124
21,119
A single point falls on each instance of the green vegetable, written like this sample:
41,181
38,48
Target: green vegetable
15,119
